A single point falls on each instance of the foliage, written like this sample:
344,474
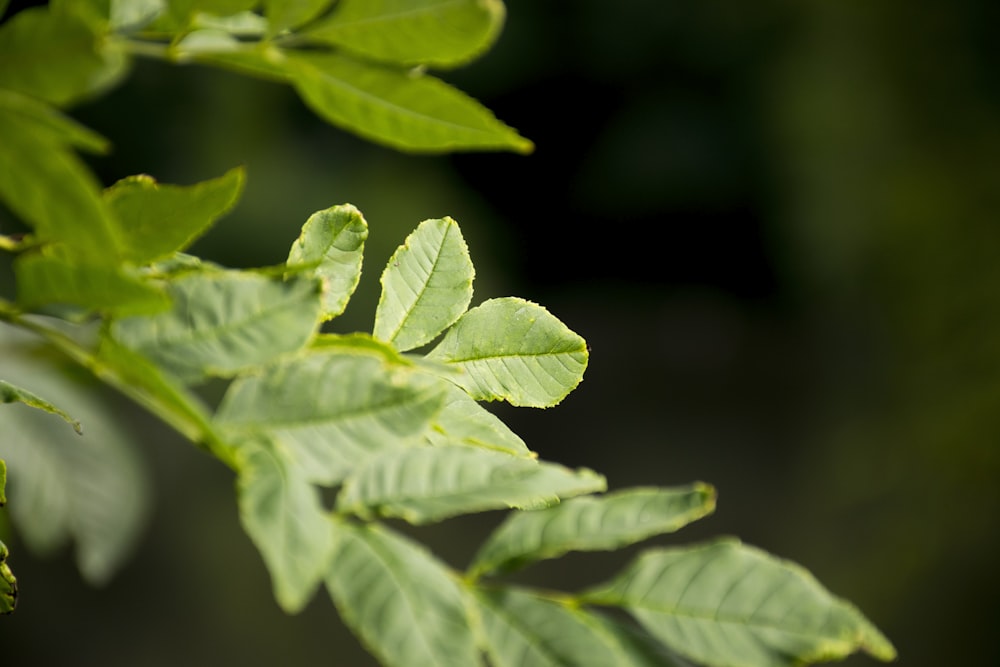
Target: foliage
103,283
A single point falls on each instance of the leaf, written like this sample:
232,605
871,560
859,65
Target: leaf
426,286
333,240
158,220
8,583
406,110
592,523
286,14
332,410
514,350
3,482
223,322
133,14
724,603
49,123
12,394
402,602
439,33
462,421
282,514
424,484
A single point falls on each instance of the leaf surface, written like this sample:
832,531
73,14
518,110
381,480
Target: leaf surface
514,350
426,286
728,604
286,14
463,421
13,394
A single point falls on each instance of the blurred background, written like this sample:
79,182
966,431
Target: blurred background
776,225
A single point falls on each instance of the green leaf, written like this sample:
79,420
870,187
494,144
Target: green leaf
402,602
158,220
3,482
424,484
728,604
462,421
12,394
426,286
49,124
407,110
333,240
8,583
439,33
133,14
286,14
282,514
514,350
223,322
333,410
592,523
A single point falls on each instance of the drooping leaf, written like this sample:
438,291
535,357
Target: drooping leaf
463,421
426,286
333,410
727,604
223,322
286,14
406,110
157,220
282,514
514,350
13,394
592,523
423,484
333,240
402,602
439,33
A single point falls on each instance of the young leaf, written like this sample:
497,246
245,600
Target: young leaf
402,602
426,286
8,583
727,604
333,410
13,394
406,110
514,350
462,421
333,240
282,514
424,484
158,220
438,33
223,322
592,523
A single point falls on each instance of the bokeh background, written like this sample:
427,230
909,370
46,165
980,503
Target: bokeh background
775,223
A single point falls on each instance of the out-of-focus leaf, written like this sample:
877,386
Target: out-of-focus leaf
49,123
333,410
402,602
514,350
285,14
423,484
439,33
728,604
223,322
3,482
407,110
157,220
426,286
462,421
333,240
13,394
133,14
592,523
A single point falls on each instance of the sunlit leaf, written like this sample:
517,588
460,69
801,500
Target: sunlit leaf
514,350
463,421
402,602
592,523
13,394
727,604
426,286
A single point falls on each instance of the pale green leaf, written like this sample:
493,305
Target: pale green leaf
423,484
262,60
206,42
333,240
726,604
8,583
592,523
239,24
361,343
286,14
514,350
13,394
463,421
157,220
282,514
407,110
133,14
439,33
426,286
402,602
333,410
223,322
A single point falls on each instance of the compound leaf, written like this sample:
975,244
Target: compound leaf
463,421
727,604
592,523
514,350
426,286
402,602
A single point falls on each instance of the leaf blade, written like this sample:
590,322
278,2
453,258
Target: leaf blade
463,421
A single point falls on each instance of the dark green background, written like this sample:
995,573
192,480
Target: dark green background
776,225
